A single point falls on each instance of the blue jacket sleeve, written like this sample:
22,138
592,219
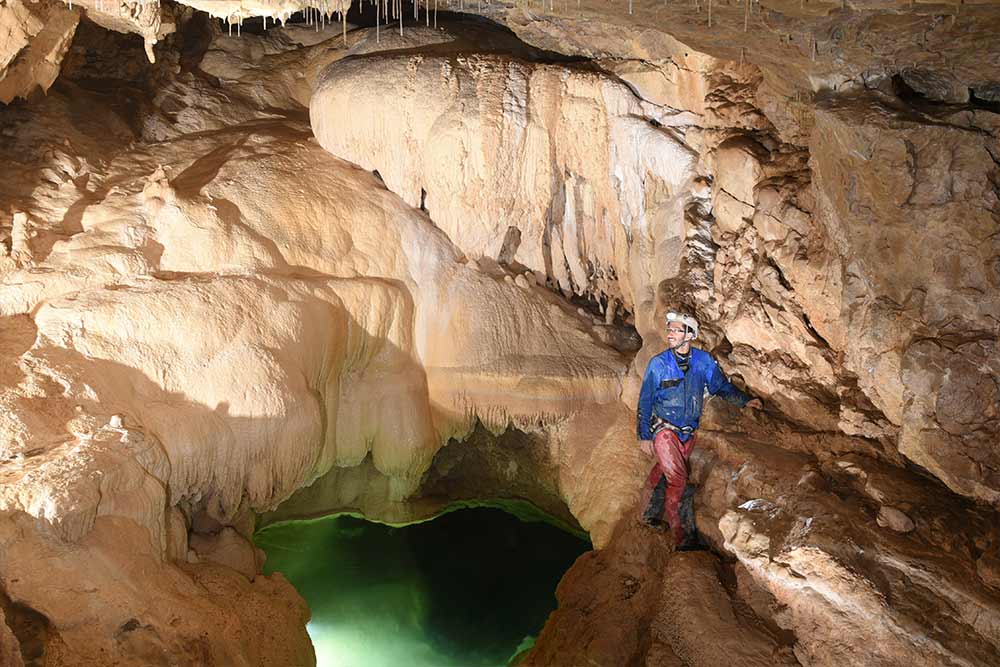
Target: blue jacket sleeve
644,413
718,385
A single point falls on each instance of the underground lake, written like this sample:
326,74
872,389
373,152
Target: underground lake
471,588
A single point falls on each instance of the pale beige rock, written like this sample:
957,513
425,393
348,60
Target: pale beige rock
20,240
34,37
892,518
738,169
189,256
281,10
559,154
177,535
680,79
731,214
212,314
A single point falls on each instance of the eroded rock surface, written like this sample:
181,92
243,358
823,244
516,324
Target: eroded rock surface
634,602
34,38
175,338
565,160
209,320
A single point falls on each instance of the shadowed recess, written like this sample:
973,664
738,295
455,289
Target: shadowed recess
471,588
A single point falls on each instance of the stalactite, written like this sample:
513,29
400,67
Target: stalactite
746,15
709,13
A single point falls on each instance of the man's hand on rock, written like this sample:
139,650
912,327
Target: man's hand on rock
647,447
755,403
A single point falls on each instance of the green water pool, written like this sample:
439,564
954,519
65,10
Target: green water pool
471,588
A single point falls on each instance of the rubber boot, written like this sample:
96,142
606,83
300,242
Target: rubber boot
692,540
653,515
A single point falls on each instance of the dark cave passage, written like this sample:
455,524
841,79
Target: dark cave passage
470,588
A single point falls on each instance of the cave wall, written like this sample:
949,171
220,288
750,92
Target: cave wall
206,314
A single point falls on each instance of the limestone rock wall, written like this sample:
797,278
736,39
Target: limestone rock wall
34,38
819,265
822,575
195,329
869,176
914,205
553,169
206,314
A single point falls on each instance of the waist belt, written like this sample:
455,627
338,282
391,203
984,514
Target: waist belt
657,424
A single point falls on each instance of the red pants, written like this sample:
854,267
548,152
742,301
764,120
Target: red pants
672,462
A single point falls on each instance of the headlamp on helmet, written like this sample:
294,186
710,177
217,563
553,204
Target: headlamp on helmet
689,322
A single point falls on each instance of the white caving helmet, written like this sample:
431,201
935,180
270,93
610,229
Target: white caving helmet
687,320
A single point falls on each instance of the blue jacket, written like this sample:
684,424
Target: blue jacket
676,397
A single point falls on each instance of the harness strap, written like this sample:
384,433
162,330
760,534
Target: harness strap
657,424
